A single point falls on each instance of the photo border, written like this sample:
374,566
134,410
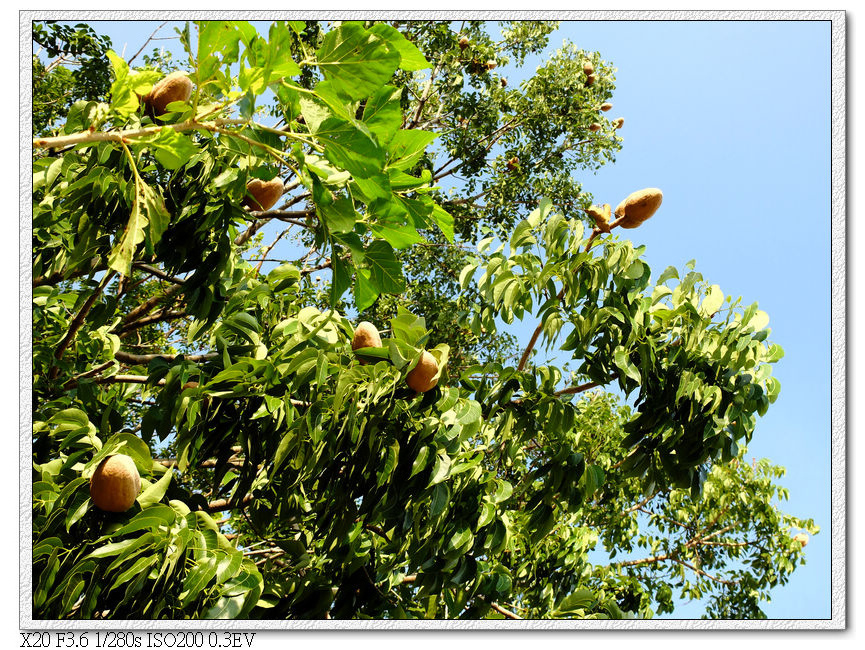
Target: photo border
838,326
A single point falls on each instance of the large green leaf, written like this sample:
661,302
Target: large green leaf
350,146
385,268
356,61
411,58
155,492
382,113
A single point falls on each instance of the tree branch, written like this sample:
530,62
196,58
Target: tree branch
523,359
78,321
227,504
143,359
152,270
149,320
505,612
573,390
150,38
150,303
86,137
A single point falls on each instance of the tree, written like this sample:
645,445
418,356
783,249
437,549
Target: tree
285,475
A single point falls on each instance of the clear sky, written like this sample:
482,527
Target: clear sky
732,121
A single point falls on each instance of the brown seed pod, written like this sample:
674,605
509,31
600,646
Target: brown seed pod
115,484
176,87
594,126
638,206
513,163
264,194
189,384
464,42
606,106
504,82
491,64
618,123
365,336
601,215
420,379
591,79
802,538
588,68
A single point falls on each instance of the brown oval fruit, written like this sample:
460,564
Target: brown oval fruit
588,68
504,82
639,206
365,336
420,379
606,106
491,64
176,87
115,484
464,42
513,163
265,194
591,79
802,538
594,126
618,123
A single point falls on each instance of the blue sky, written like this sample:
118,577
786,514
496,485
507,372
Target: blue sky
732,121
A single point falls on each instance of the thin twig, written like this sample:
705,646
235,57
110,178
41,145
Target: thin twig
146,42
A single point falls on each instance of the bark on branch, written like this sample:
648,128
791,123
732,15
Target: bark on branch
86,137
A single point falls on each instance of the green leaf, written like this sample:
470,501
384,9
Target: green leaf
669,272
114,548
350,147
440,498
635,270
341,279
365,292
620,358
503,491
155,492
488,513
522,236
340,215
411,58
171,148
441,468
382,113
356,61
152,519
385,269
712,302
197,579
398,236
419,462
407,147
123,252
445,221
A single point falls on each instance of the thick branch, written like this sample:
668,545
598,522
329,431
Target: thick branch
144,359
86,137
227,504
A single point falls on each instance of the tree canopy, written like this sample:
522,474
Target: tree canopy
287,473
